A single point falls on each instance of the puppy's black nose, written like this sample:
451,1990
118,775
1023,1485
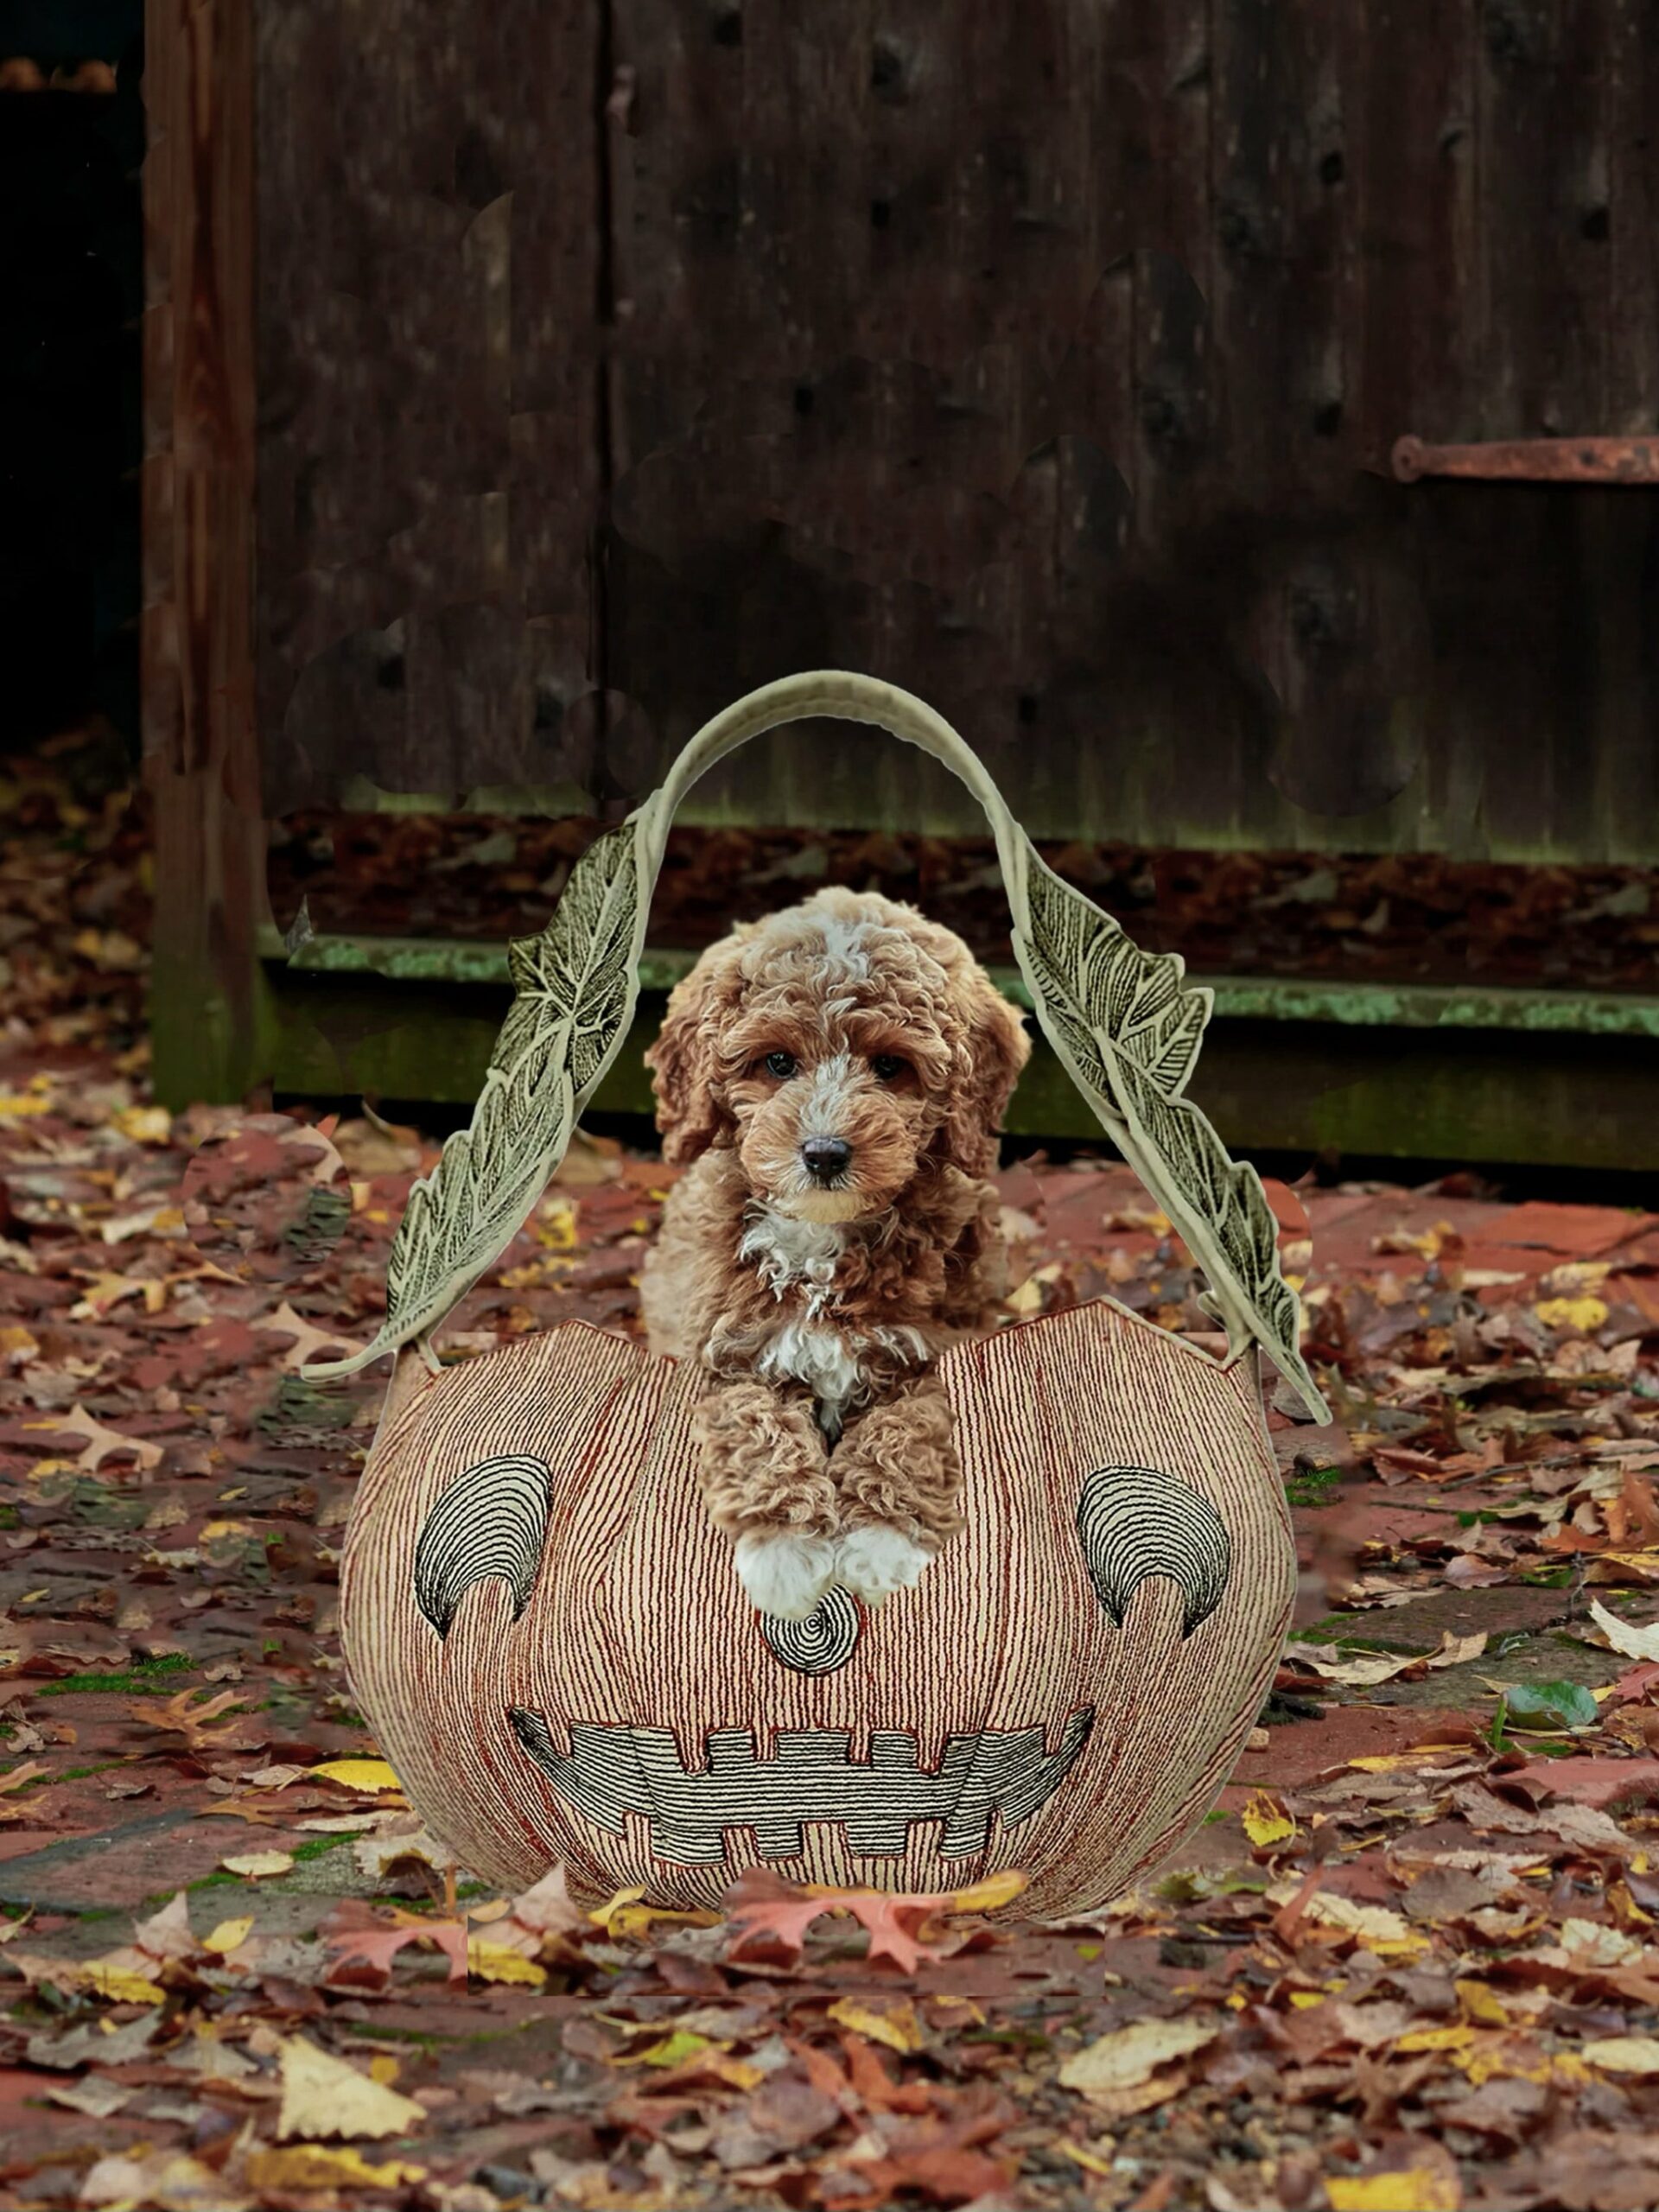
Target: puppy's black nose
826,1156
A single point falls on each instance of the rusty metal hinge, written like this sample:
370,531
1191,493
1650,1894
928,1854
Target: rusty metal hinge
1533,460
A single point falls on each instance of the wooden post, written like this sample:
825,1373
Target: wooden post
201,760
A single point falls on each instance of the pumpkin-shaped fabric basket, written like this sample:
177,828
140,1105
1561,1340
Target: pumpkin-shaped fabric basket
546,1634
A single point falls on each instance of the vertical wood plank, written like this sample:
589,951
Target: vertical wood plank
430,348
1544,226
197,628
1411,283
1622,543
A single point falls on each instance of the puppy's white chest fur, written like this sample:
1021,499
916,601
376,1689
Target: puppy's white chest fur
789,1255
786,1252
808,1346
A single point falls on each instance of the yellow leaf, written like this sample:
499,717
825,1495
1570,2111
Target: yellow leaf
1481,2004
1302,2000
635,1921
145,1124
1436,2038
895,2025
1591,1942
1623,2054
384,2067
1091,2161
1493,2060
678,2049
500,1962
1392,1761
738,2071
120,1984
1580,1315
1419,2189
1129,2056
1619,1897
555,1225
603,1914
228,1934
1266,1822
1362,1673
685,2046
17,1344
367,1775
109,948
1634,1642
253,1865
1372,1926
18,1105
1646,1564
625,1916
308,2167
990,1895
322,2095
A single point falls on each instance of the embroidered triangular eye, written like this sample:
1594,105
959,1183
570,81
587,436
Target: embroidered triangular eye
1135,1523
490,1521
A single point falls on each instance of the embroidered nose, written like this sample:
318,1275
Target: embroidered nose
825,1157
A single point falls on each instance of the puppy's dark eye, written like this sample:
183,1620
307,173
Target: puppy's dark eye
782,1064
888,1066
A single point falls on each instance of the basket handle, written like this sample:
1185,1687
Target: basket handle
1125,1024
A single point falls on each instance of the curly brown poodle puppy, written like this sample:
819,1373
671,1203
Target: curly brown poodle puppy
836,1076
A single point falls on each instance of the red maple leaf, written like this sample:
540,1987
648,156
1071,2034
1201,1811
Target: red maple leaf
884,1916
762,1905
358,1937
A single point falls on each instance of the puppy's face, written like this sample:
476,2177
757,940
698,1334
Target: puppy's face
833,1113
837,1047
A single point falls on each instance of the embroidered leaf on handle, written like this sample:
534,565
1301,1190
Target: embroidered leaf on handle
1128,1026
576,985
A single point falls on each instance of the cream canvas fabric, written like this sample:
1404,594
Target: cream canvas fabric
572,1670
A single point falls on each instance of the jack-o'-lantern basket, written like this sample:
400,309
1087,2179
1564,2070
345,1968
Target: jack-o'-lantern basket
545,1632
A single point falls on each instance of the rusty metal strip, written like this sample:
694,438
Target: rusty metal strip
1533,460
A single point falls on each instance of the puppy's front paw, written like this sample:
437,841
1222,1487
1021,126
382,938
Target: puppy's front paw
875,1561
786,1575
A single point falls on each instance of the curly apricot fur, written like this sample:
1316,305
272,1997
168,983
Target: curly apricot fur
840,992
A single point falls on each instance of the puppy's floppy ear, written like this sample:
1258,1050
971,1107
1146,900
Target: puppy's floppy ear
995,1050
683,1063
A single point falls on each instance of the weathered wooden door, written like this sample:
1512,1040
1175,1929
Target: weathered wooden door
1047,361
610,357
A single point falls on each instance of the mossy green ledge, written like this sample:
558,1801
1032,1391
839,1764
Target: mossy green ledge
1410,1071
1249,998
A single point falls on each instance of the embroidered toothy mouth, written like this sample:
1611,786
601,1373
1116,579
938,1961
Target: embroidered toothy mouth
611,1771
